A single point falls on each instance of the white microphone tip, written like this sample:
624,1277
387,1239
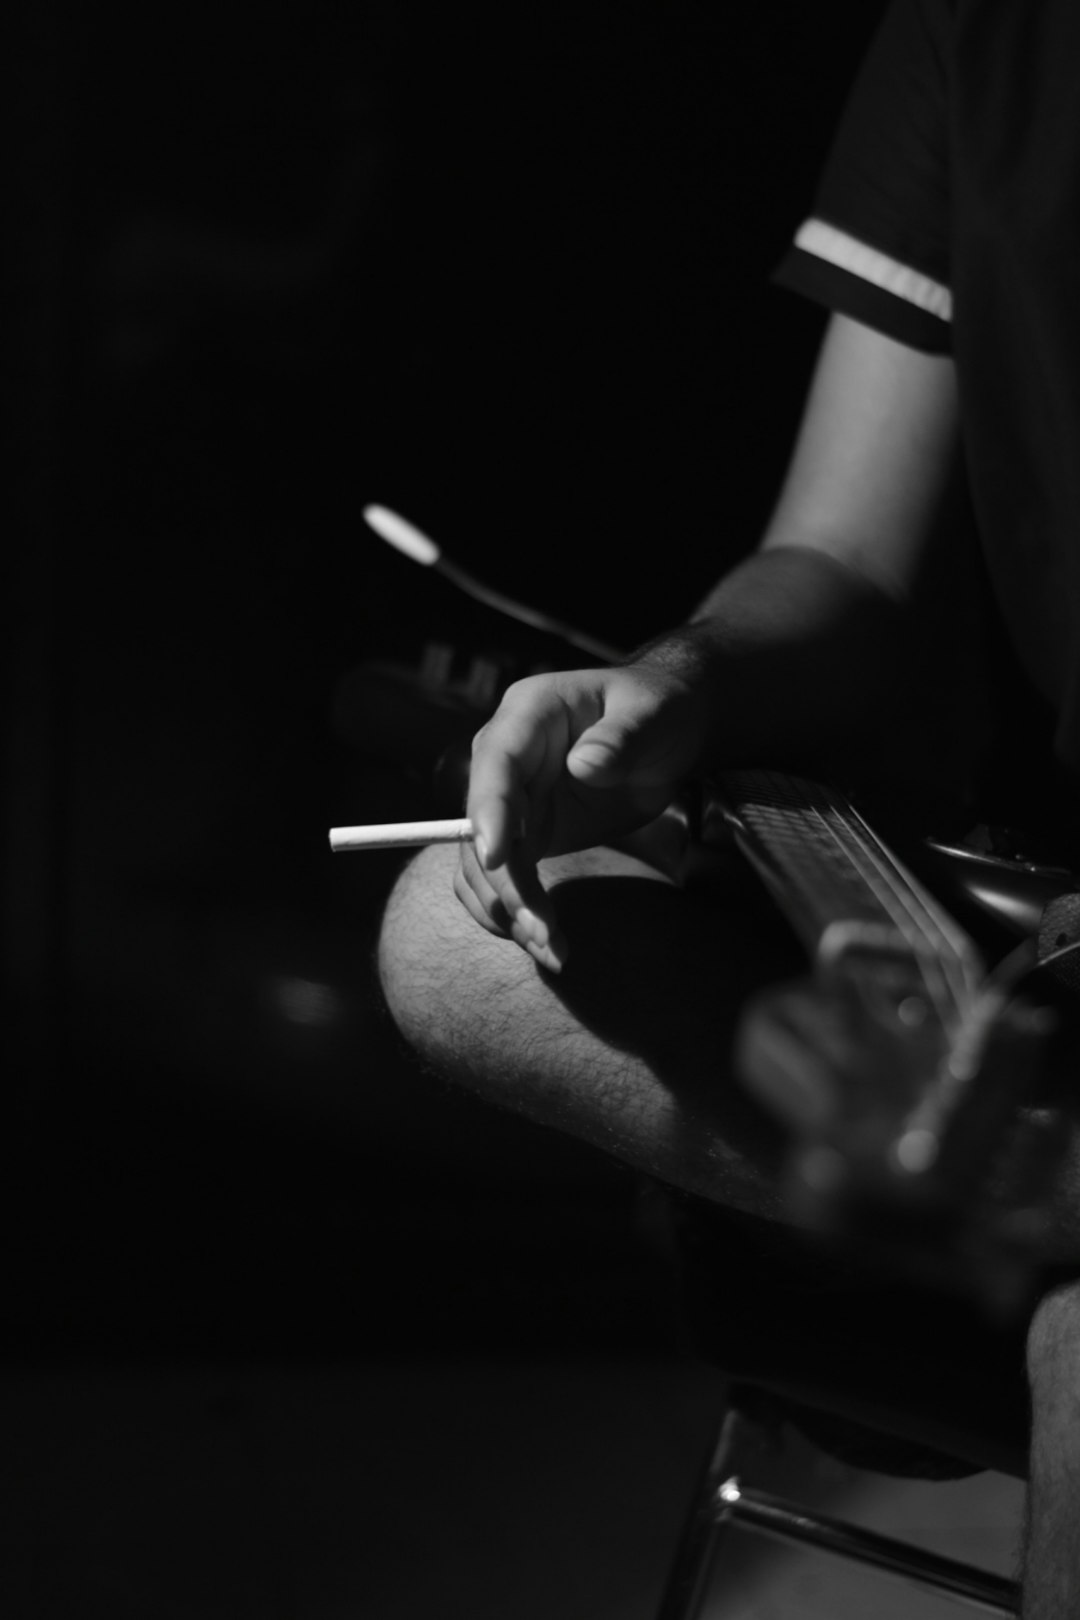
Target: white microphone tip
404,536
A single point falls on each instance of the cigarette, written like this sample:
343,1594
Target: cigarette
400,834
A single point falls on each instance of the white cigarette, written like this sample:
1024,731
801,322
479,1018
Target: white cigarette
399,834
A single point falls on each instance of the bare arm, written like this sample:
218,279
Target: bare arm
792,645
798,642
873,456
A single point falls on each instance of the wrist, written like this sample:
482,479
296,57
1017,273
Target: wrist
788,657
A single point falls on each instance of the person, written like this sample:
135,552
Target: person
557,965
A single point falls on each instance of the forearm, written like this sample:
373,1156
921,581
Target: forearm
797,649
793,654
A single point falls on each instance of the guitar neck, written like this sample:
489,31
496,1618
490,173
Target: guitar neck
846,894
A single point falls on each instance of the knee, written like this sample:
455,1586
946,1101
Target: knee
415,955
1053,1341
443,977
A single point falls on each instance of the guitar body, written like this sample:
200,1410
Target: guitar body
1011,890
912,1079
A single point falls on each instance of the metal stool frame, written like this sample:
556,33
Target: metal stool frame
722,1501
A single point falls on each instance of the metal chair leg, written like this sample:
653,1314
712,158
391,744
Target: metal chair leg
723,1500
690,1570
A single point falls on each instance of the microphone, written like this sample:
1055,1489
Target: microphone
420,548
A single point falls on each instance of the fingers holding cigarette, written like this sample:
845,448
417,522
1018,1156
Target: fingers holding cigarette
504,911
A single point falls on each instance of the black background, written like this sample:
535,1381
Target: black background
504,268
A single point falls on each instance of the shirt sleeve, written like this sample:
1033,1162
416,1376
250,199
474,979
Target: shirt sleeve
877,244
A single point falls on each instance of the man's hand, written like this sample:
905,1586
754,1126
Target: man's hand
567,762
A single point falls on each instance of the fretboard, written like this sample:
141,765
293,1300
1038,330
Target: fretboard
841,888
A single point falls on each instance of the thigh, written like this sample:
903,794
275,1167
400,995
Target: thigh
630,1045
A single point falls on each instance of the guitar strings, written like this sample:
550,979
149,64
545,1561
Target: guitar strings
933,965
946,960
950,944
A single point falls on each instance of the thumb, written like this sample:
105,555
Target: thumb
604,754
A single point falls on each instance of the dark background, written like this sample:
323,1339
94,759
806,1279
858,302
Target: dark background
504,268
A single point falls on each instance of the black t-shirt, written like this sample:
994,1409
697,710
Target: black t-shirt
948,217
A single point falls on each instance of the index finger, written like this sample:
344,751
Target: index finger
516,758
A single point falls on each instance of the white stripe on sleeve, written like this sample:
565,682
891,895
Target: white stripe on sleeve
848,253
